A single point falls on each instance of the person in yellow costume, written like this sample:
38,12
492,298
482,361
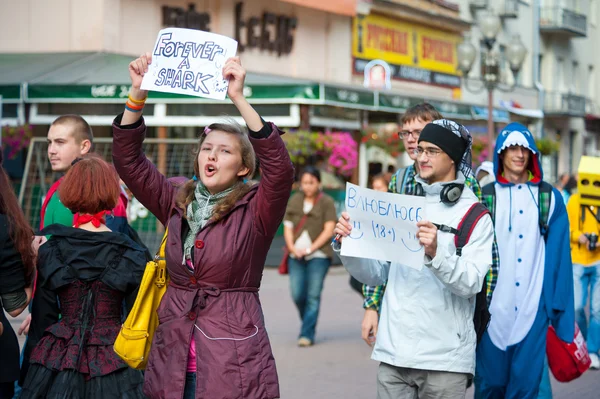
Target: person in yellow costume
584,220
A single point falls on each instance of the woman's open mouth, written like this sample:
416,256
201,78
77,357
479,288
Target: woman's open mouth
210,170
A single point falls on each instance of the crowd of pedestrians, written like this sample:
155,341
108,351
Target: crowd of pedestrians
506,256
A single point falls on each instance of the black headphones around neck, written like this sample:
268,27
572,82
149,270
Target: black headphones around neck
449,195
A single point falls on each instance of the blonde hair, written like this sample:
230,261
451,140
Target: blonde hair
185,196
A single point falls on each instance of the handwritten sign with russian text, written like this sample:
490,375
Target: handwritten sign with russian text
188,61
384,226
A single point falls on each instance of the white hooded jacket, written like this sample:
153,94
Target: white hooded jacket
427,315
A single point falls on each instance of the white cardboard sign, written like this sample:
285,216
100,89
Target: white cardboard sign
189,61
384,226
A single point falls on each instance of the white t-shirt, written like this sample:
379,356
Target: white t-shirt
303,241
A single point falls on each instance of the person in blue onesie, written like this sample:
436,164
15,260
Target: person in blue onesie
535,285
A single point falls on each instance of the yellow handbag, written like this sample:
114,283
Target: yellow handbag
135,338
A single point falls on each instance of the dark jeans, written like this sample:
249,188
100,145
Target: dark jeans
584,277
306,284
7,390
190,386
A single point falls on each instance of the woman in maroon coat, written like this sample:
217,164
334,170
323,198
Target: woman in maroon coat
211,341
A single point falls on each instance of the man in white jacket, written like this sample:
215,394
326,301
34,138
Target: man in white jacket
426,339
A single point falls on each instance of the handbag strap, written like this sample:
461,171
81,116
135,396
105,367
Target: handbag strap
160,254
161,267
302,221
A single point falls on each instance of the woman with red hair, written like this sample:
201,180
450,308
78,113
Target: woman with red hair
84,274
16,271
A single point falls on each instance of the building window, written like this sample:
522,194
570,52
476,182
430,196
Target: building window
575,82
588,147
540,69
560,74
10,111
591,82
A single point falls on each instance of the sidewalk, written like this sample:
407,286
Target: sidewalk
339,364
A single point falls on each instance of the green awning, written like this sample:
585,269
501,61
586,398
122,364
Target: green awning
453,110
44,93
499,115
104,78
10,94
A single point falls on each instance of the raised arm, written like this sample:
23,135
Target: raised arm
277,171
137,97
140,175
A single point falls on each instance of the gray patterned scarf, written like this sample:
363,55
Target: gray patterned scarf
199,212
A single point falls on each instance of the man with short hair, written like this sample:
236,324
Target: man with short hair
404,182
535,287
426,340
69,137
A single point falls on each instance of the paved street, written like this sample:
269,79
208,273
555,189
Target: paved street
339,365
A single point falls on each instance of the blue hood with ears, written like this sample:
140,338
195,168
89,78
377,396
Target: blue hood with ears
517,134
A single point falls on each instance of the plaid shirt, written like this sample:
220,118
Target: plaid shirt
374,294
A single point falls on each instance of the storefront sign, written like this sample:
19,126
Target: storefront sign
414,53
269,32
191,19
393,101
452,110
349,96
308,93
377,75
499,115
339,7
117,93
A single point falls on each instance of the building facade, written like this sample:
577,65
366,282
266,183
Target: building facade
558,76
307,60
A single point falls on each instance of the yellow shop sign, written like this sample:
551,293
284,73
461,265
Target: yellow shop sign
413,51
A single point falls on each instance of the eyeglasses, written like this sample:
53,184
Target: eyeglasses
414,133
430,152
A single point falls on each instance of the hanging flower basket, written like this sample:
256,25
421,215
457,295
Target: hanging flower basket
302,145
479,149
338,148
15,139
392,144
547,146
343,153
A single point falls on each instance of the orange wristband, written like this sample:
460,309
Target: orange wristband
137,102
134,106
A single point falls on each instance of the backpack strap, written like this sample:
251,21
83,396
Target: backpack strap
467,225
404,176
481,314
544,203
397,183
488,196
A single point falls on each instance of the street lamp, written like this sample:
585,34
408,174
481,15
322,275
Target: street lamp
490,26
